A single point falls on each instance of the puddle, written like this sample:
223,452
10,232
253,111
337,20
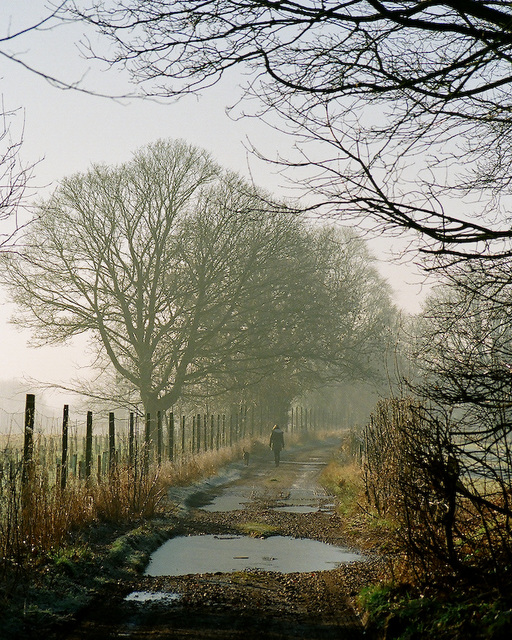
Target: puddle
211,554
296,508
302,506
215,501
225,502
211,496
152,596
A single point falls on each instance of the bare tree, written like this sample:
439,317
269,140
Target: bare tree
349,331
180,271
449,477
410,100
463,346
14,173
14,178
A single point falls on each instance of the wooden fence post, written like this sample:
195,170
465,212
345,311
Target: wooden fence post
74,461
147,442
111,442
64,457
159,438
171,436
88,447
28,445
131,439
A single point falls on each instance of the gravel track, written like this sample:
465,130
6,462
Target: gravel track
250,604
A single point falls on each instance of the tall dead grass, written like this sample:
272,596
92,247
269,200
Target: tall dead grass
189,470
345,481
37,517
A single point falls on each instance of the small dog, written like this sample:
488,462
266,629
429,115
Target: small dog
246,456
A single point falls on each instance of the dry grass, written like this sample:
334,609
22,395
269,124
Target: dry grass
128,495
189,470
37,516
346,483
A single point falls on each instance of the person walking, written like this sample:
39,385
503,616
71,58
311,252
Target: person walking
277,443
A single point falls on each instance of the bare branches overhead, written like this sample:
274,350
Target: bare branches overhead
412,98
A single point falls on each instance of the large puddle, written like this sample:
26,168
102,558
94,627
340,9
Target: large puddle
210,554
224,502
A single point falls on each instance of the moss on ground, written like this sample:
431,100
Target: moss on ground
405,614
258,529
57,585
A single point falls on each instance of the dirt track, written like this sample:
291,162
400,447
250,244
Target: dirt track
249,604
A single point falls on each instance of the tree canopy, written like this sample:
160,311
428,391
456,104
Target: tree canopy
463,347
183,273
410,100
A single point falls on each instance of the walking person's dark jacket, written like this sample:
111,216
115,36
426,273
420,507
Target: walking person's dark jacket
277,442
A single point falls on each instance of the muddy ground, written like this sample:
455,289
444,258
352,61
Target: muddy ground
246,604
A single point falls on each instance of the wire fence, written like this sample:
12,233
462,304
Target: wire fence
89,447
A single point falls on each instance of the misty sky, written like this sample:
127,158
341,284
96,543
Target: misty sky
67,131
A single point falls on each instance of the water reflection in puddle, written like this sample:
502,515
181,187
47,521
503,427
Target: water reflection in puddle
210,554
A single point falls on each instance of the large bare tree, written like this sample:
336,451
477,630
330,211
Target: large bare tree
181,272
410,100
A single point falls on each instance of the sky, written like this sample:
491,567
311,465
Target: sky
64,132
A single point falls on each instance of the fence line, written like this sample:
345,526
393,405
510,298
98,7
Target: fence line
165,437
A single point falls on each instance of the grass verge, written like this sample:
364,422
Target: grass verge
60,582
